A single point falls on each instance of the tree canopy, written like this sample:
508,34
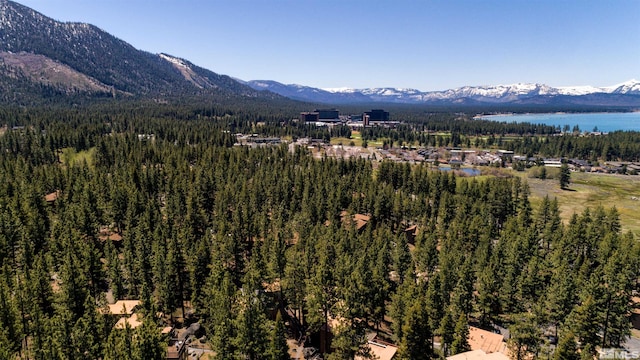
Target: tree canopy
239,235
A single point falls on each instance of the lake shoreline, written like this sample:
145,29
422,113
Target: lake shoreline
599,121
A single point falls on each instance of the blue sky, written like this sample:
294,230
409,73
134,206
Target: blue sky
422,44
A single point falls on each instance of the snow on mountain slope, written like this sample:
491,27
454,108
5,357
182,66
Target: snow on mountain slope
307,93
487,94
341,90
579,90
628,87
187,72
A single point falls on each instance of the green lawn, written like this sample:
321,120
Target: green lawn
592,190
356,138
345,141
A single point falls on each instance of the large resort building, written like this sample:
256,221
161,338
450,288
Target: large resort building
375,115
322,117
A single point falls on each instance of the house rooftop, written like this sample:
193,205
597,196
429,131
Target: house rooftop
123,307
486,340
380,351
360,220
478,355
133,322
115,237
51,197
110,236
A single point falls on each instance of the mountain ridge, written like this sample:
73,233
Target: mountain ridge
91,55
492,94
41,58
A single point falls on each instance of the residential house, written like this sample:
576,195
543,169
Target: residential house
478,355
123,307
107,234
133,322
380,350
486,341
52,197
359,220
556,163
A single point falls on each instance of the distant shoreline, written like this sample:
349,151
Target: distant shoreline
584,121
506,114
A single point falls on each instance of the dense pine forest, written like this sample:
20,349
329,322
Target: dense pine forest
243,240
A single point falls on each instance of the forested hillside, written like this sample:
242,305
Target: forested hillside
236,235
71,55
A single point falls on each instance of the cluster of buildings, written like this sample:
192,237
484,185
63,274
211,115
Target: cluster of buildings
457,156
447,156
128,314
329,117
483,344
611,167
255,140
443,156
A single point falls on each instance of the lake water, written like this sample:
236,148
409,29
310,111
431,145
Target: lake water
468,171
606,122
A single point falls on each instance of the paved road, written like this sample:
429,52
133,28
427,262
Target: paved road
632,345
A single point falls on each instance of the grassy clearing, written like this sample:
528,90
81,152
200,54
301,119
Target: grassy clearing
69,156
345,141
593,190
356,139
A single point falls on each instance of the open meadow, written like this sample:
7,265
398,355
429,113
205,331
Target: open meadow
592,190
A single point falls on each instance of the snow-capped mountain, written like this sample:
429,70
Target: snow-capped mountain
306,93
579,90
40,56
629,87
521,93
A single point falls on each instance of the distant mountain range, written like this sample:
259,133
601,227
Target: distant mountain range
43,60
627,93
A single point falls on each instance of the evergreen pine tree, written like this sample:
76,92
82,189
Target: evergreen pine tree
6,348
587,352
461,336
583,320
401,301
278,348
565,176
119,344
250,334
525,337
148,342
447,332
567,348
416,335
